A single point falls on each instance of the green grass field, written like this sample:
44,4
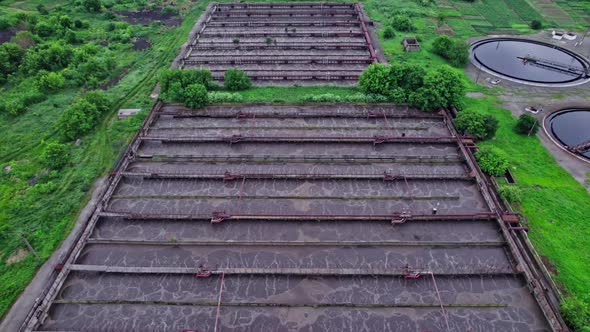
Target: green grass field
555,205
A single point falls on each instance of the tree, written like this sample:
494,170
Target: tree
458,55
456,51
492,160
24,39
93,6
44,29
479,125
10,58
50,82
388,33
78,119
527,124
235,80
195,96
184,77
536,25
402,23
443,87
375,80
99,100
65,21
54,155
441,45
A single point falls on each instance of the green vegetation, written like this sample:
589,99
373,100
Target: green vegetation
477,124
527,125
388,33
456,51
195,96
512,194
402,83
54,155
236,80
41,195
555,205
186,86
492,160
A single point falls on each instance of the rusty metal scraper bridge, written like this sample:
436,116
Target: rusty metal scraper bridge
274,43
298,218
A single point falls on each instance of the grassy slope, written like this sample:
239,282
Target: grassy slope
49,219
556,205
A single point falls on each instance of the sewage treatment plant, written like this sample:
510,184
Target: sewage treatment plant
310,217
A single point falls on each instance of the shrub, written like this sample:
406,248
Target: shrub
477,124
536,25
443,87
54,155
388,33
492,160
78,119
527,124
10,57
44,29
235,80
402,23
375,79
195,96
93,6
216,97
456,51
81,117
51,82
183,78
576,313
511,193
42,9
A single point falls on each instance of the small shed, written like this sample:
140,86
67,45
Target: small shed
411,44
127,112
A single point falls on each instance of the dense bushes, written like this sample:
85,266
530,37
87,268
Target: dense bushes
454,50
81,117
492,160
388,33
402,23
511,193
403,83
50,81
55,155
195,96
11,56
173,81
235,80
536,25
527,124
576,313
479,125
185,86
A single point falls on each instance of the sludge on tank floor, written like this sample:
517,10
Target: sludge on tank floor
295,218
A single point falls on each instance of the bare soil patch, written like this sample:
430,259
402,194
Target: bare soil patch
6,35
18,256
141,44
146,17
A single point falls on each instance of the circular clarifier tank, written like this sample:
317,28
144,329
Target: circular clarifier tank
529,61
570,127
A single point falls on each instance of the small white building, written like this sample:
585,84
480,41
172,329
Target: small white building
557,34
570,36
